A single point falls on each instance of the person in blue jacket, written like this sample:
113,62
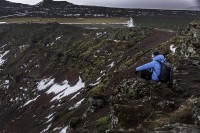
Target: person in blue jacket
152,69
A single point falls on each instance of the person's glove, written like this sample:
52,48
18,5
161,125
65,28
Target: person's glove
136,72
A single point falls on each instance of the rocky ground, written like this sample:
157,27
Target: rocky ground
58,78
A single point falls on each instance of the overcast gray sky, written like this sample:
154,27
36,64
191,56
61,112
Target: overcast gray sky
166,4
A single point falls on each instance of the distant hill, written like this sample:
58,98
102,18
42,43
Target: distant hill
6,4
54,4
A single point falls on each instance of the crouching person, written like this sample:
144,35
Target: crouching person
151,70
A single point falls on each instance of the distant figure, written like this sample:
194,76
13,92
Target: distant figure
152,69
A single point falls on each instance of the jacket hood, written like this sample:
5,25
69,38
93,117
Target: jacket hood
159,58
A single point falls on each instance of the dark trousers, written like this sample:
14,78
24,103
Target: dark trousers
145,74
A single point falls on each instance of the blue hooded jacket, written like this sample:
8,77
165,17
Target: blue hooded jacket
153,66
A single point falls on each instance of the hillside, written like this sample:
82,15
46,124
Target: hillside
61,77
8,4
63,9
54,4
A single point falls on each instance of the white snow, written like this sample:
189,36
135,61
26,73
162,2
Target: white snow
56,40
57,128
77,104
111,65
64,130
45,83
99,79
30,101
172,48
59,37
3,22
66,89
60,90
50,117
46,129
37,66
94,84
98,34
56,88
1,57
4,45
102,71
52,43
116,40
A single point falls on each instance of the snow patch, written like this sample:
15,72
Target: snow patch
61,90
77,104
98,34
45,83
94,84
50,117
66,89
117,40
172,48
4,45
3,22
46,129
57,128
64,130
1,57
56,88
111,65
30,101
52,43
59,37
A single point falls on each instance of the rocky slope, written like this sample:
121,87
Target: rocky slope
58,78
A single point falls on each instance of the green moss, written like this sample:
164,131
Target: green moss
103,121
88,71
91,48
129,62
65,115
98,88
